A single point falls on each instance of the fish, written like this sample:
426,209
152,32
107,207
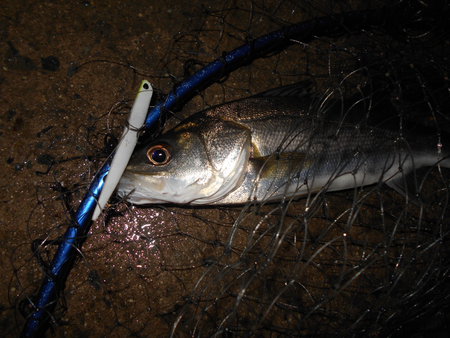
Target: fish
267,148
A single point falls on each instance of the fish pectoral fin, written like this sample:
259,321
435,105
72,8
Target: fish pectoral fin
281,165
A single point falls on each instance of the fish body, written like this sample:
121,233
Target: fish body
265,149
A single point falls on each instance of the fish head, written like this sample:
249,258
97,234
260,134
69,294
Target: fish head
198,162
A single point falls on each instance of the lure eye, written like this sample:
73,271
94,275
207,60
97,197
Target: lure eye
158,155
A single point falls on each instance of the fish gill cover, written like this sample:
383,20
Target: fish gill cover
362,261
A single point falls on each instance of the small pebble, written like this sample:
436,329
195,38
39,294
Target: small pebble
50,63
10,114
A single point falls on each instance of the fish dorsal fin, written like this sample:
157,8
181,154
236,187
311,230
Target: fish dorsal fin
302,89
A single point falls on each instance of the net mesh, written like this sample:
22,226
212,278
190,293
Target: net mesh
366,260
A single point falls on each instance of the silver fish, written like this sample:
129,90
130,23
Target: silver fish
266,149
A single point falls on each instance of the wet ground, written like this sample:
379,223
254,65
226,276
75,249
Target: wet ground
69,72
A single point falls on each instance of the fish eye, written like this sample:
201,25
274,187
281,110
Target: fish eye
158,155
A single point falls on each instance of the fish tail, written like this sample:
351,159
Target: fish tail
432,150
444,162
443,147
436,158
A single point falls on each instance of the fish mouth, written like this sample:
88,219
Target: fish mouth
151,188
141,171
138,186
131,190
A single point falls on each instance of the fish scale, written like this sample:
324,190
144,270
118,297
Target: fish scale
265,149
257,114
